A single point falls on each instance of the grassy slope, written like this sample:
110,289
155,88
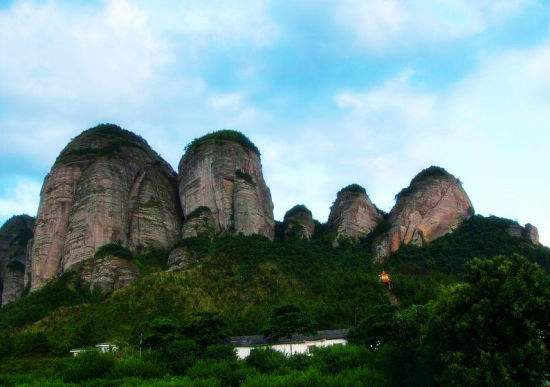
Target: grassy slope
243,278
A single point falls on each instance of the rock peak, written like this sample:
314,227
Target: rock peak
433,205
15,236
107,185
221,174
352,215
428,174
298,223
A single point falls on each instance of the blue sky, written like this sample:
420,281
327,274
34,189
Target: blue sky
332,92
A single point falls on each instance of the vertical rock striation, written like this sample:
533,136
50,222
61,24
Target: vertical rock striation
433,205
298,223
221,187
107,185
352,215
15,235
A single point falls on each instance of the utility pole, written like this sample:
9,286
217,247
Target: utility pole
140,342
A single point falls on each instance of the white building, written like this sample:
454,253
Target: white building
102,347
289,346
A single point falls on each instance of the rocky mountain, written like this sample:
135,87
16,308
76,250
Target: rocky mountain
433,205
107,185
352,215
298,223
221,187
15,236
529,232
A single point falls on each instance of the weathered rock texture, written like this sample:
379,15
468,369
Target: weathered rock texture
298,223
433,205
352,215
222,173
108,273
179,258
15,235
529,232
107,185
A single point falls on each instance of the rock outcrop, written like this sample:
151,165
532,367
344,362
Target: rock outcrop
220,177
107,185
15,235
179,258
529,232
433,205
298,223
108,273
352,215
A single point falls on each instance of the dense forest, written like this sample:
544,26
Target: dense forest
472,307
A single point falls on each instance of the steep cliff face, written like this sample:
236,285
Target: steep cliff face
433,205
15,235
352,215
221,175
298,223
107,185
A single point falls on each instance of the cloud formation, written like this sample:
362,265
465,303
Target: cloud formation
327,106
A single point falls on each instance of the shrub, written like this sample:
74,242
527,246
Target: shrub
297,209
29,343
88,365
352,188
245,176
114,249
180,355
225,134
338,358
227,372
220,352
430,172
266,360
137,367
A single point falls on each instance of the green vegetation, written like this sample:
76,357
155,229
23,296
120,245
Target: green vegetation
428,173
245,176
473,308
297,209
113,249
113,139
16,266
356,188
223,135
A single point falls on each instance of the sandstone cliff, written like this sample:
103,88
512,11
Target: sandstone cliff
108,273
15,235
221,187
298,223
433,205
529,232
106,185
352,215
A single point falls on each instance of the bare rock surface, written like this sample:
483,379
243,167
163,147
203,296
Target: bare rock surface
353,215
107,185
222,172
298,223
180,258
433,205
15,235
108,273
529,232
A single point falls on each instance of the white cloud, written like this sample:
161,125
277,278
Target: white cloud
395,24
492,130
20,198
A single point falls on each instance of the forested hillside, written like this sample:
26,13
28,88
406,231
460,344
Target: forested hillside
471,306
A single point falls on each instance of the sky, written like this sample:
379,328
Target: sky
332,92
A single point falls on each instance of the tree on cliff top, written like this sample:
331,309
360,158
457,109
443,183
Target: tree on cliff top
224,134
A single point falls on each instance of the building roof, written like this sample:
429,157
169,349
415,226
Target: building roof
250,341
